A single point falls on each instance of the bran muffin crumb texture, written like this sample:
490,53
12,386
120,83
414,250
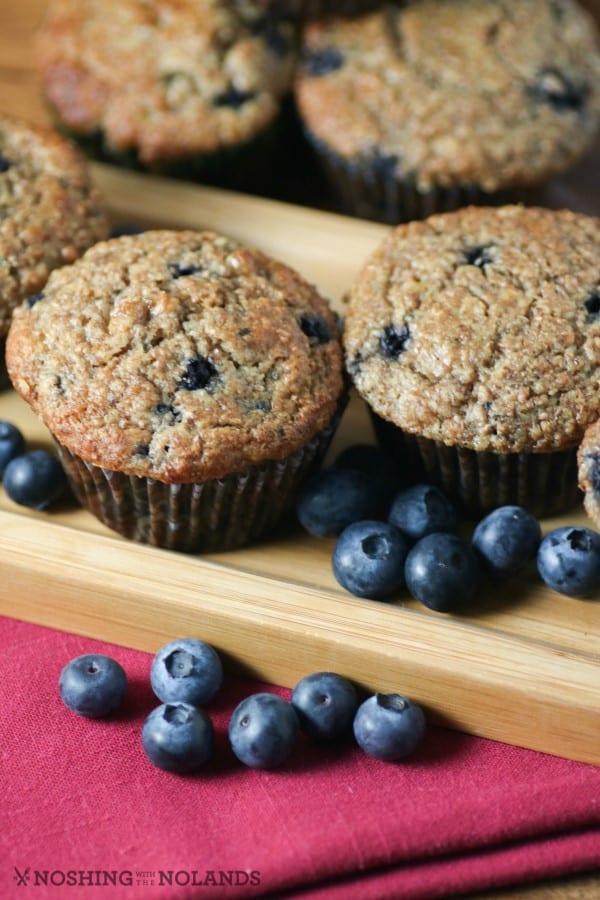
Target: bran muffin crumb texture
588,459
481,328
455,92
49,210
179,356
168,80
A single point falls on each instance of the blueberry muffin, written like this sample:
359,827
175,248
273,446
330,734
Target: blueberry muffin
186,88
474,336
589,467
49,213
428,106
189,382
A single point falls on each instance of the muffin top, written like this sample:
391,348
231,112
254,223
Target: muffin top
170,79
49,210
481,328
588,460
450,92
180,356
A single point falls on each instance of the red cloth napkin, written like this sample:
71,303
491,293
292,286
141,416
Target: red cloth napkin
81,807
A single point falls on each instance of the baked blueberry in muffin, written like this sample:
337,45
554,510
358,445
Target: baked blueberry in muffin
474,338
49,212
424,107
190,88
191,383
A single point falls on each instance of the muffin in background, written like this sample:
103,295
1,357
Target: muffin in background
49,213
437,104
588,459
187,88
474,337
190,383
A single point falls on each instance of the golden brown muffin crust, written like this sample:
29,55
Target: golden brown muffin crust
180,356
481,328
169,79
450,92
49,211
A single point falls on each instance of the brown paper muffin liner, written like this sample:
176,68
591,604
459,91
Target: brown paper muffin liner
241,167
220,514
370,189
4,379
543,483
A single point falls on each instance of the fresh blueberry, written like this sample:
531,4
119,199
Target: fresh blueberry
368,559
364,457
92,685
371,460
186,671
12,443
442,572
178,737
263,730
507,539
420,510
568,561
389,726
35,479
325,704
334,498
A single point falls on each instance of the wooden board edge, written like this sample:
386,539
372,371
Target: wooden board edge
127,594
285,229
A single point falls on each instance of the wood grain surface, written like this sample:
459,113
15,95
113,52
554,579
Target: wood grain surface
522,669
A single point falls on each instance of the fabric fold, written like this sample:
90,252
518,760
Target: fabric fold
78,796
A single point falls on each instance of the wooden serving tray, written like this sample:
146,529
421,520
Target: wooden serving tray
524,669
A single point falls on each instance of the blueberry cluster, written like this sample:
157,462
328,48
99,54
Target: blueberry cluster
32,478
390,538
178,735
186,674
